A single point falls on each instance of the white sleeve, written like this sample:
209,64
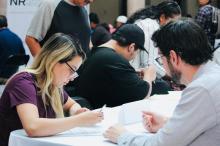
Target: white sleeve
216,57
149,27
194,115
42,19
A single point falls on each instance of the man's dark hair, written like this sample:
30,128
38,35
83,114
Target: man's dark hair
187,39
93,17
168,8
3,21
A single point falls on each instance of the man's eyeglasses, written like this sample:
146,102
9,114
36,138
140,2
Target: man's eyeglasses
73,71
159,60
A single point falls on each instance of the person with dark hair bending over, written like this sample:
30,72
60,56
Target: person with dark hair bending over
34,99
106,77
187,58
149,20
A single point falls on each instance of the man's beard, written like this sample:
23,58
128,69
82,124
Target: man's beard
175,75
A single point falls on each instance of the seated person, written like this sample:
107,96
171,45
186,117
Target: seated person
10,44
35,100
187,58
107,77
101,35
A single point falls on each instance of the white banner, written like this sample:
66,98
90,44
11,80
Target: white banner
19,15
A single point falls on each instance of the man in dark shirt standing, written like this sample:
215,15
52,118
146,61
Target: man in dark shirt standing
53,16
107,77
10,44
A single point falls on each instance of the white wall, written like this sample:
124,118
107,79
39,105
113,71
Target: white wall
3,6
19,14
133,6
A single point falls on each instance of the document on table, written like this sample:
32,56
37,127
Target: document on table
163,104
84,131
132,112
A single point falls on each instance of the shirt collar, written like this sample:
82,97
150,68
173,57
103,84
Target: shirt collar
69,2
202,69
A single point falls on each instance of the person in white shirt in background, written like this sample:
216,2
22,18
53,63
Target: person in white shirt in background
149,20
217,55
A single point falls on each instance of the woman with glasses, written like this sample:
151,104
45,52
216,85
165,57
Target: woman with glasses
149,20
34,99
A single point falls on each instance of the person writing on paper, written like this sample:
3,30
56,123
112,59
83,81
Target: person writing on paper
187,58
107,77
34,99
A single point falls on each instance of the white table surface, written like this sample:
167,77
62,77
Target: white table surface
92,136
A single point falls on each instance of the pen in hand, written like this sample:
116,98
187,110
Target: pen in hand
102,109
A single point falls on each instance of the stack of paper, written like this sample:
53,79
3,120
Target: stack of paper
163,104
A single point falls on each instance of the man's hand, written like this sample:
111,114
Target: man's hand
153,122
149,73
113,132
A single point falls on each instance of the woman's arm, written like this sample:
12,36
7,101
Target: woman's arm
73,107
36,126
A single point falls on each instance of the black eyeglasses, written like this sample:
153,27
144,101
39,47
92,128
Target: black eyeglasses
73,71
159,60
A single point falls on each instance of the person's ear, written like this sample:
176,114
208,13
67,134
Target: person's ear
131,47
174,58
162,19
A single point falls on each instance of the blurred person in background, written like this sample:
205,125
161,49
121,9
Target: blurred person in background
10,44
149,20
204,19
121,20
53,16
94,21
100,32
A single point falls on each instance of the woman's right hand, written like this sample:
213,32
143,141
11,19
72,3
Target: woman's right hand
90,117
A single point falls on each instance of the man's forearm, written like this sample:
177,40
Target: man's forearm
33,45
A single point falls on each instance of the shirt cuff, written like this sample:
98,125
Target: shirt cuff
124,138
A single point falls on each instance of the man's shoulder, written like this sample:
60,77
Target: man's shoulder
206,9
207,77
103,51
7,33
106,53
49,4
